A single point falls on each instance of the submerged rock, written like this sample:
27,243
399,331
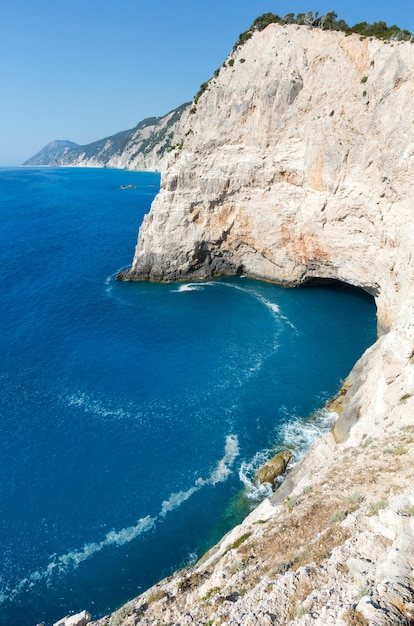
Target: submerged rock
274,468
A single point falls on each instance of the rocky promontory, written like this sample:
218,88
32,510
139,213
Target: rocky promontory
147,146
298,165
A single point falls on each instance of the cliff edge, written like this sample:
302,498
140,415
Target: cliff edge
298,164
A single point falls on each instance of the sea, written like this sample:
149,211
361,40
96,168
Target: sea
134,415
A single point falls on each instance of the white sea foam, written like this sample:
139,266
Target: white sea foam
114,293
188,287
90,405
176,499
247,471
72,559
109,282
275,309
224,466
272,306
298,434
218,475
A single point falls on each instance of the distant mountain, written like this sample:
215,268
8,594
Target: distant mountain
147,146
52,153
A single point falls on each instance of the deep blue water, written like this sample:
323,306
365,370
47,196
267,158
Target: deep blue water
133,414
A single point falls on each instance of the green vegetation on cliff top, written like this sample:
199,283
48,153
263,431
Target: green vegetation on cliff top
329,21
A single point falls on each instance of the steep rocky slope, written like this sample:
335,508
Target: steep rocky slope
297,165
145,147
52,152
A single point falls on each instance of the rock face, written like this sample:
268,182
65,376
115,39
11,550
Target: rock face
298,163
273,468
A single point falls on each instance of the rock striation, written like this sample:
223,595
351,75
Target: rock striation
298,165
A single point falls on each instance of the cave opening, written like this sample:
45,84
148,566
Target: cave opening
340,286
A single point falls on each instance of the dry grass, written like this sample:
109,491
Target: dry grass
355,618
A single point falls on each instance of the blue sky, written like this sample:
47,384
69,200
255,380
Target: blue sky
85,69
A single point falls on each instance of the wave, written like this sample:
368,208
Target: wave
224,466
114,293
273,307
189,287
218,475
73,558
247,471
297,435
176,499
109,283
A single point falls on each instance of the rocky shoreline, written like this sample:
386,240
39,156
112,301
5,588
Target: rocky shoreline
334,546
300,166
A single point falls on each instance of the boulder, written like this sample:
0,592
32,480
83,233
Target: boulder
80,619
274,468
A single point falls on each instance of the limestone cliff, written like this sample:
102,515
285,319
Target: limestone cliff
298,164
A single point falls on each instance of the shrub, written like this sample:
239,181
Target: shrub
264,20
211,592
155,595
377,506
399,450
329,21
355,618
282,567
407,510
355,498
236,544
339,516
363,591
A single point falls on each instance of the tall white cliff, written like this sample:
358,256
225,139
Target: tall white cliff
298,164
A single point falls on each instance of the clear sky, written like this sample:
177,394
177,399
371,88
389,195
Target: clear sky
86,69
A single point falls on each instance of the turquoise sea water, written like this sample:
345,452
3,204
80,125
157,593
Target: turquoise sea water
134,414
